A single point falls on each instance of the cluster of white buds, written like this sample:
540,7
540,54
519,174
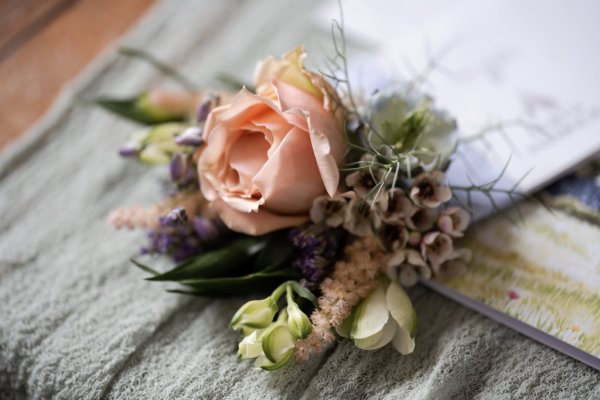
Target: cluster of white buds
270,334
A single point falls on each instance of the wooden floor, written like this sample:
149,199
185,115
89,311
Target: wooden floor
44,44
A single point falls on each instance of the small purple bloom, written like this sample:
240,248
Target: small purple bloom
192,136
181,237
177,216
206,107
205,229
318,249
183,170
129,151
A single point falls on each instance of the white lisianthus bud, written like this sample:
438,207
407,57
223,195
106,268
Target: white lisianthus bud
385,315
256,314
250,346
155,145
298,323
278,347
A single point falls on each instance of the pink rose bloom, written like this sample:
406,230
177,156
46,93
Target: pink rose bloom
267,156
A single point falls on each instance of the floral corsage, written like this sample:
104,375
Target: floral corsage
329,202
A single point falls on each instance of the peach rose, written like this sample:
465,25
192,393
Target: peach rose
267,156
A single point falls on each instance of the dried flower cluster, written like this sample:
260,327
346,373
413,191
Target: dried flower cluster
414,225
351,280
273,182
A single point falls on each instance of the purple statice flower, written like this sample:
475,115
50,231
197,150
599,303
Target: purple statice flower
183,171
206,107
129,150
178,236
318,248
192,136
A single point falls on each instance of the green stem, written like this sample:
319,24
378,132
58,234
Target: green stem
277,293
182,80
289,295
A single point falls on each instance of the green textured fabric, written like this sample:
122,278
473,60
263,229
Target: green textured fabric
77,321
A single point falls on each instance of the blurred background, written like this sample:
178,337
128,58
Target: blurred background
45,43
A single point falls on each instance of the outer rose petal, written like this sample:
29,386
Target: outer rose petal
327,138
256,223
290,70
289,181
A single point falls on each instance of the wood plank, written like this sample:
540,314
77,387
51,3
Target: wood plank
32,76
21,20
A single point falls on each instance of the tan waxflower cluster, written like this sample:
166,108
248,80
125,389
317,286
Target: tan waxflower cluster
415,225
420,231
352,279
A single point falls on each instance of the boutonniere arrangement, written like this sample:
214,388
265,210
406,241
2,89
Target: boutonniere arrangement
329,202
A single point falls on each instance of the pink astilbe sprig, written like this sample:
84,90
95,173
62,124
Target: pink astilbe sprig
352,279
139,217
135,217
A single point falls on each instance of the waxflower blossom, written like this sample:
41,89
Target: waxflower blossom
429,189
364,180
453,221
398,208
361,218
414,238
436,247
406,265
456,264
394,236
423,220
331,210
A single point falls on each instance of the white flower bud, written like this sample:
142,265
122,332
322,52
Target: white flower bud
256,314
385,315
250,346
298,323
278,348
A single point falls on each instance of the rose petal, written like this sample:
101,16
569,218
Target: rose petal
255,223
248,155
289,181
327,138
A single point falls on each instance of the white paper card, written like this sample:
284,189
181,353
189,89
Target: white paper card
533,66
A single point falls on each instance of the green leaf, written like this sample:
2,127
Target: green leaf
303,292
134,110
216,263
144,267
278,250
234,286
